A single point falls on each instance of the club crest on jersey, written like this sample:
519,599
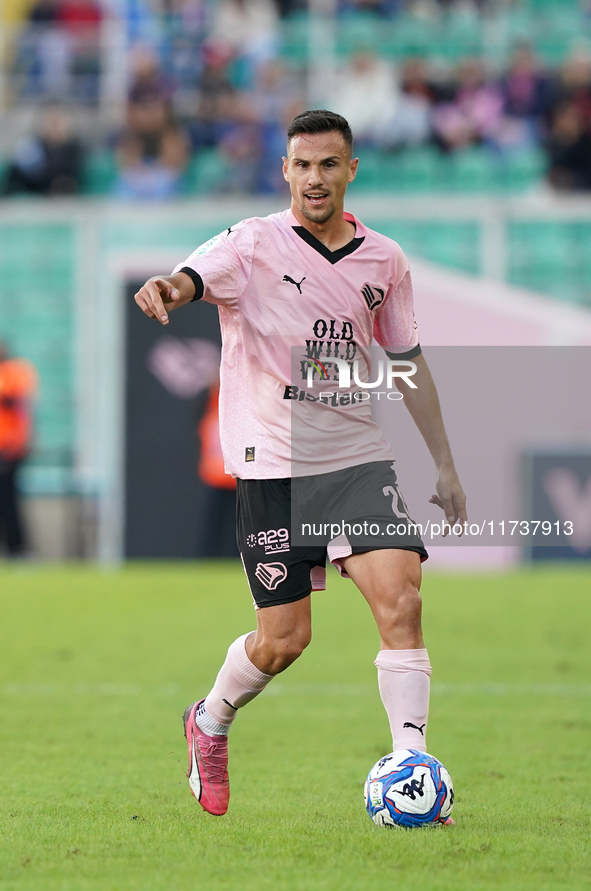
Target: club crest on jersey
374,296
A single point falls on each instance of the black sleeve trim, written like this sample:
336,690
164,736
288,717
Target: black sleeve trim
197,281
410,354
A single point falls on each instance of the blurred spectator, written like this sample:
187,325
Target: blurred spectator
474,114
182,51
43,12
152,153
574,85
43,55
59,52
569,149
366,86
527,95
526,88
275,88
289,7
242,149
215,99
408,120
47,163
80,17
249,27
381,8
148,81
18,384
81,20
277,98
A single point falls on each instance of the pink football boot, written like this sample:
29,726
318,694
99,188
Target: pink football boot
208,765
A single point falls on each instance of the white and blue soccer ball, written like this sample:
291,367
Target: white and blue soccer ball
410,789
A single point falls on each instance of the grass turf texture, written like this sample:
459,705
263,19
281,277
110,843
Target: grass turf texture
97,669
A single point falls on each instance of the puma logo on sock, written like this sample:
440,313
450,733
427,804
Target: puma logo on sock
408,724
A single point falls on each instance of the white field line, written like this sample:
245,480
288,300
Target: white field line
282,689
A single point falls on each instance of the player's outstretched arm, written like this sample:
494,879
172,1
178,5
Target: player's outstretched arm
425,410
162,293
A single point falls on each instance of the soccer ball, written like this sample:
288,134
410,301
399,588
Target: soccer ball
408,788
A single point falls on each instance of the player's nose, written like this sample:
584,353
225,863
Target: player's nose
314,177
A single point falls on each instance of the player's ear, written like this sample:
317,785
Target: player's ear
285,169
353,169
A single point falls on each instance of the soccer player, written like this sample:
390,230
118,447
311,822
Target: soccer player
312,281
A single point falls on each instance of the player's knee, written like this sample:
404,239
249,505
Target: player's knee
401,607
277,654
290,649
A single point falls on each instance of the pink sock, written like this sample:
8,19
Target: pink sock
404,682
237,683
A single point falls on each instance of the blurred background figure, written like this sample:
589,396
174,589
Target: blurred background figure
473,114
152,150
569,149
58,54
18,384
49,162
526,89
219,508
248,27
366,90
406,121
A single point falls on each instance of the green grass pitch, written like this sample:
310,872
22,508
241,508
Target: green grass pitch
97,669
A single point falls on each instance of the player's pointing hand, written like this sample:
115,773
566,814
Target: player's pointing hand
160,294
153,297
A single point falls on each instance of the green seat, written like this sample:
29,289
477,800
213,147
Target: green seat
542,256
523,169
294,37
370,173
100,172
473,170
205,172
416,169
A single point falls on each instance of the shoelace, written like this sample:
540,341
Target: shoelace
216,756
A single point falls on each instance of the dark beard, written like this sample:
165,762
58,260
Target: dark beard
314,219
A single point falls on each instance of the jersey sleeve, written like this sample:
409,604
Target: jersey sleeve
395,326
220,268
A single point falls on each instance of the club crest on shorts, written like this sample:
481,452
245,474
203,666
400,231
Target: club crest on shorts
374,296
271,574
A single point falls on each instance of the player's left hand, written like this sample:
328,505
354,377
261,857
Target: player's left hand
450,497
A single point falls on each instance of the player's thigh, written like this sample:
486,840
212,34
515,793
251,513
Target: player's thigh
278,573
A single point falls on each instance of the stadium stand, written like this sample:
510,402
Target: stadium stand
207,61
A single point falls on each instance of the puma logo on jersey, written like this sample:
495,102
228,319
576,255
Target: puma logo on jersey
420,729
286,278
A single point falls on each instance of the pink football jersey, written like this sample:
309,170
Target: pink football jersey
287,304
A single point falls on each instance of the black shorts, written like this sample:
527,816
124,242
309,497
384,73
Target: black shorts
286,527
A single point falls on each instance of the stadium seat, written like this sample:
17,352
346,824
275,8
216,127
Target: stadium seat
473,170
100,172
543,256
370,174
205,172
523,168
416,170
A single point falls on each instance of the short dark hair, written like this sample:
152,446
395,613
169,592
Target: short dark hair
319,120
